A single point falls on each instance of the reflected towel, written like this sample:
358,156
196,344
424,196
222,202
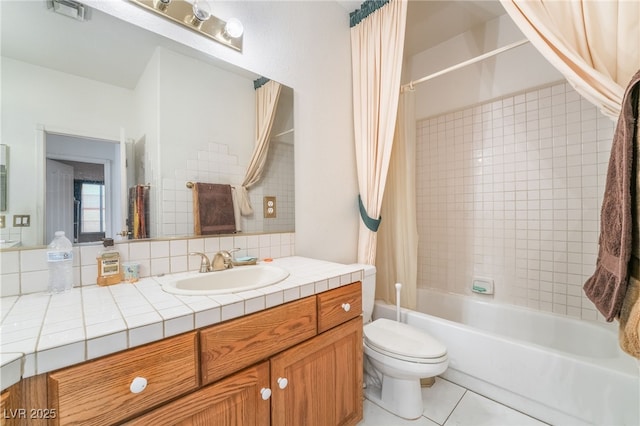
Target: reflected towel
138,211
629,333
213,209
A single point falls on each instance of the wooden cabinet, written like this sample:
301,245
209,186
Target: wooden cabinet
323,379
236,400
339,305
236,344
98,392
25,403
229,374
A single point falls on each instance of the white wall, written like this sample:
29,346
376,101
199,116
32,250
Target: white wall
304,45
509,72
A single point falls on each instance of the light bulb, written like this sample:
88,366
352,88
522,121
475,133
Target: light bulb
233,28
201,10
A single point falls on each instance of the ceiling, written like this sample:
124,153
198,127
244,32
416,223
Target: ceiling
102,48
87,48
431,22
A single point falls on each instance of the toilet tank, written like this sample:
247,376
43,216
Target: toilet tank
368,291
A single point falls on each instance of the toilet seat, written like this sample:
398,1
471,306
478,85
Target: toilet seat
402,341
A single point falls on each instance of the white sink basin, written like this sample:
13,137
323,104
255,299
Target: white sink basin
237,279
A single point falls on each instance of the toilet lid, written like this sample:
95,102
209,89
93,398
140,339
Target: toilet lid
402,339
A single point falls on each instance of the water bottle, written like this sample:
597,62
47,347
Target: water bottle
60,261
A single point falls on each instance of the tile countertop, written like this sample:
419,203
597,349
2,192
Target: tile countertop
42,332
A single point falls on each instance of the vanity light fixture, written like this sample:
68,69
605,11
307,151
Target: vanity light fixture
198,17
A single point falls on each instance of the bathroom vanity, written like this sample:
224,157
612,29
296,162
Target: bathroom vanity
296,363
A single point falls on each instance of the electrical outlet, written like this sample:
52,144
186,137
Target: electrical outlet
3,221
21,220
269,207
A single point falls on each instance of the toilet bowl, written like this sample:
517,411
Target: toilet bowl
397,356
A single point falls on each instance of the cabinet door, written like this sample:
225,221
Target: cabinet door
234,401
98,392
323,379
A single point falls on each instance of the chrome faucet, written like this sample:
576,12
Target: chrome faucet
205,264
223,260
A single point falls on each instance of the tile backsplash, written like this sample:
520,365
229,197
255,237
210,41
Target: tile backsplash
25,271
215,163
511,190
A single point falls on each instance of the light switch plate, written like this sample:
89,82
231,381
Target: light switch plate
269,207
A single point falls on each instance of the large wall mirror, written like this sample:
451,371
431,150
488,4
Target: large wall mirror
99,113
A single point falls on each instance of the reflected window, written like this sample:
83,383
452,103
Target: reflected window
90,211
93,211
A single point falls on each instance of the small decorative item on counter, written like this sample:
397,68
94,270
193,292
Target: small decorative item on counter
131,272
109,270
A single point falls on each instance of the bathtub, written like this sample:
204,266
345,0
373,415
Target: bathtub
554,368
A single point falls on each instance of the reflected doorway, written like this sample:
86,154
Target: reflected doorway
82,184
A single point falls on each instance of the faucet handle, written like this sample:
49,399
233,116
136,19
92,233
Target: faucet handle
205,264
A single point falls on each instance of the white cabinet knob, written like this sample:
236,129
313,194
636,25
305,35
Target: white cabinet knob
265,393
346,307
282,382
138,385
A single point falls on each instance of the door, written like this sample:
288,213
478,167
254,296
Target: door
235,401
319,382
59,200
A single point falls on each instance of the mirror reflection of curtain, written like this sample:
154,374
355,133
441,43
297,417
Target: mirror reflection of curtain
266,105
398,234
377,46
594,44
59,199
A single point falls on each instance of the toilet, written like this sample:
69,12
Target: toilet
397,356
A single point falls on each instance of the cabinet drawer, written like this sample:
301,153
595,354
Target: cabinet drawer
339,305
233,401
233,345
97,392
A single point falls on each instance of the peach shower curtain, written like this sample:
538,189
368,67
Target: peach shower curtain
266,105
377,44
398,234
593,43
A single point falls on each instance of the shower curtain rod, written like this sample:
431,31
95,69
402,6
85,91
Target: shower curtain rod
410,85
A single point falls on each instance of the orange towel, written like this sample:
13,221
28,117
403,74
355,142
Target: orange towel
629,332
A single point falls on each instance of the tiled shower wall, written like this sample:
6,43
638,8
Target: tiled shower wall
510,190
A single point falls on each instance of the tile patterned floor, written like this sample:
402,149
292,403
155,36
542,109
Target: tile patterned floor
447,404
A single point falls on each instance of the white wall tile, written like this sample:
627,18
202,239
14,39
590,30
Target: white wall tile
517,198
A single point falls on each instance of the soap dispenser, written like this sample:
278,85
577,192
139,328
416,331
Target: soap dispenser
109,267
